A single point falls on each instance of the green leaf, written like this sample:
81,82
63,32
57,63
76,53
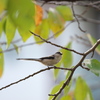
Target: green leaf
65,12
16,48
25,34
1,27
42,30
2,5
94,65
89,94
56,71
82,91
1,62
56,22
10,31
55,89
2,23
67,58
22,14
93,41
68,97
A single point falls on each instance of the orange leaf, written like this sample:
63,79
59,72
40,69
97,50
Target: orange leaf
38,14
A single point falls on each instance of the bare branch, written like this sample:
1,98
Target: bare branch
20,46
4,43
81,41
56,44
84,3
42,70
85,68
76,18
89,19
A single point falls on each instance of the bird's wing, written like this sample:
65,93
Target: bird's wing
49,57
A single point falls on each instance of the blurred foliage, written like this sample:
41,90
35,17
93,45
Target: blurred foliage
56,88
68,97
21,13
93,41
38,15
66,61
16,48
1,62
93,65
10,29
80,92
42,30
67,58
24,15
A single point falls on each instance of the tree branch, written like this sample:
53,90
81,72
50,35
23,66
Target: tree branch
70,69
76,66
55,44
27,77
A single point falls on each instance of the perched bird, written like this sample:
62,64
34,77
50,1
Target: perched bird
48,61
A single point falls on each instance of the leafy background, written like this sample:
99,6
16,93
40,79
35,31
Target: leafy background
24,15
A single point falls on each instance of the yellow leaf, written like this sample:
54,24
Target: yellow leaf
56,22
2,5
42,30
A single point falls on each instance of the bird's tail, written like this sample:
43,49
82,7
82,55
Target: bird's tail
31,59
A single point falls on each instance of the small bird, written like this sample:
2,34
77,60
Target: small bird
48,61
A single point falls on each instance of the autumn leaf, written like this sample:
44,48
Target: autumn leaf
38,14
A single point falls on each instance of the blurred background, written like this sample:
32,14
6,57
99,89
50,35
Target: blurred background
39,86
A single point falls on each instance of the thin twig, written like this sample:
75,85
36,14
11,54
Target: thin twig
76,18
81,3
20,46
92,54
56,44
89,19
15,41
81,40
85,68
